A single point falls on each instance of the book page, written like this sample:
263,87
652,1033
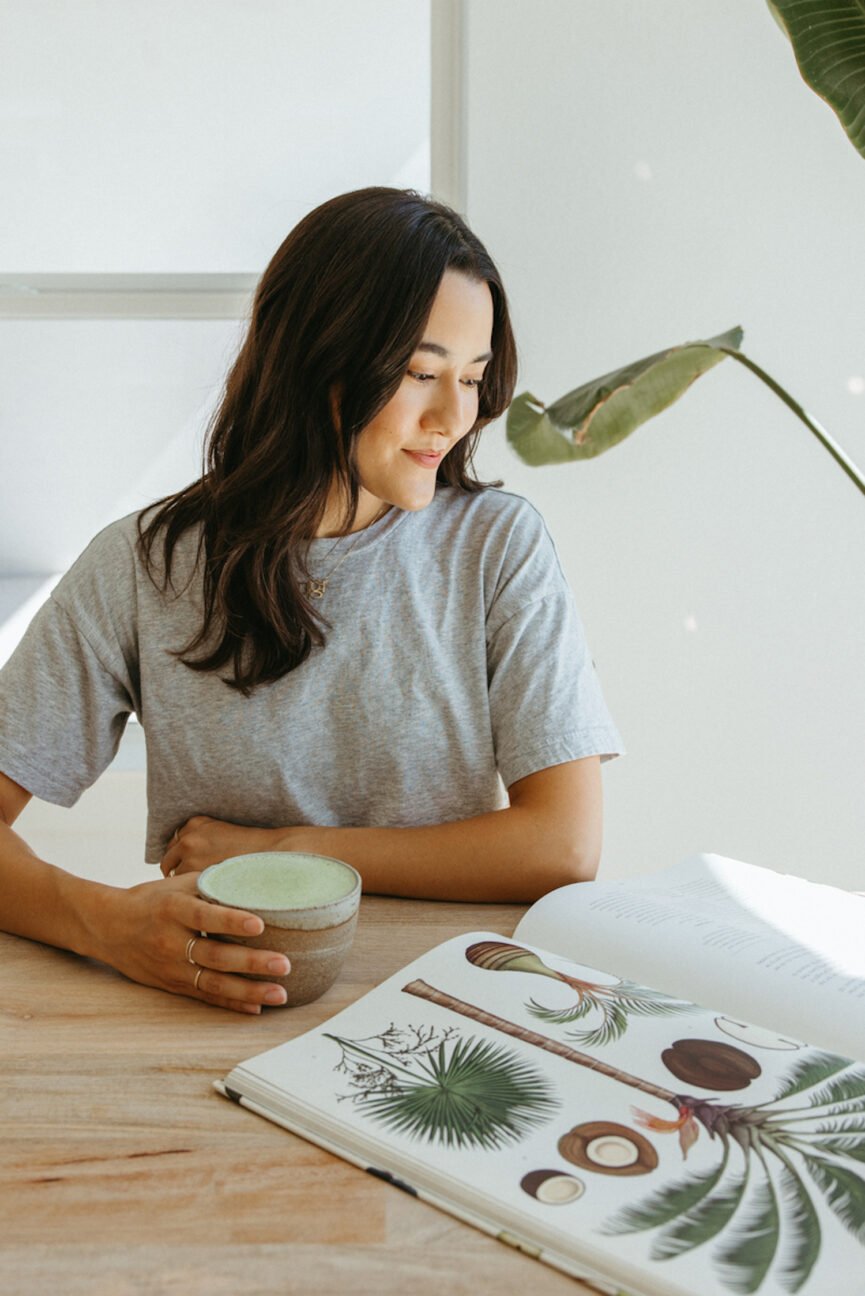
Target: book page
763,947
610,1131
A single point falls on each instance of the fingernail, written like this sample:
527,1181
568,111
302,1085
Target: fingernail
253,925
279,965
276,995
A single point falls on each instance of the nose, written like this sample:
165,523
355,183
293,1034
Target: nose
447,413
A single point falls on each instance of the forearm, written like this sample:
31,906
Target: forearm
506,855
45,903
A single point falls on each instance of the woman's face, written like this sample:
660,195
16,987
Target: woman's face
435,405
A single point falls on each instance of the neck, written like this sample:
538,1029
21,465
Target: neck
333,524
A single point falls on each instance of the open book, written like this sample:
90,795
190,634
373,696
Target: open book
563,1091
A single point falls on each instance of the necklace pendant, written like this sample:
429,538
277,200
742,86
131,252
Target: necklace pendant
316,588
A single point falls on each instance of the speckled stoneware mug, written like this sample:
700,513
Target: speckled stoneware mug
308,904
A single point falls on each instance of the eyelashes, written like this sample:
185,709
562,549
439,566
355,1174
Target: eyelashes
472,383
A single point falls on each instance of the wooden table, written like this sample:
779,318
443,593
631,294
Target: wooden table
124,1172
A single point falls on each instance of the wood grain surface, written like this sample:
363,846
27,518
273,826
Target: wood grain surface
122,1170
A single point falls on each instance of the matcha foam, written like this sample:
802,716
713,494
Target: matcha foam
279,880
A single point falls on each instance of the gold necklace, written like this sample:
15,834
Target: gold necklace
316,589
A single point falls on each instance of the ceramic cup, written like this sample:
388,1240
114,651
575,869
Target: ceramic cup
308,904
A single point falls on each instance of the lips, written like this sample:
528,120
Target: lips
429,459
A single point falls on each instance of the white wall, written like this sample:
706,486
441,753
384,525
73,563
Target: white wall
149,137
647,174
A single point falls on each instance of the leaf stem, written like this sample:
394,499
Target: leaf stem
811,423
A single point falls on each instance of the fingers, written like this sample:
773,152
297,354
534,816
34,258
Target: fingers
237,960
193,847
224,971
219,971
172,859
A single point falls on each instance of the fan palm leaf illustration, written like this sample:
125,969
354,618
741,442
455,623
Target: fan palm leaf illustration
614,1004
460,1093
756,1202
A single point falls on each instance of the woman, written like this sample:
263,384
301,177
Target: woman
337,640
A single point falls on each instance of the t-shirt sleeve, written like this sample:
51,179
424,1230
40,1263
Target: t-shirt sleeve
546,702
67,691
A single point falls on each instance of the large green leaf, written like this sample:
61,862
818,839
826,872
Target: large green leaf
746,1256
672,1202
592,418
828,39
801,1232
813,1069
703,1222
846,1088
844,1192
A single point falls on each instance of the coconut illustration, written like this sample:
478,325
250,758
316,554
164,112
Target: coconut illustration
608,1148
552,1187
710,1064
755,1036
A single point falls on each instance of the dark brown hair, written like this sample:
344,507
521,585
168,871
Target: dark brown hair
341,308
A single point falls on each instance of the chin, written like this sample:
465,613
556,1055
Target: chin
413,501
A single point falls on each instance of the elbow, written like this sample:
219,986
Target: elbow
580,863
576,863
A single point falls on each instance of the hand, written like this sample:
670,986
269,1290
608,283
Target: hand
155,937
203,841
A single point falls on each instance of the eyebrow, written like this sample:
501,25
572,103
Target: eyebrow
439,350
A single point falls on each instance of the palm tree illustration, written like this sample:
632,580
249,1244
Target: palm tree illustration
614,1003
756,1200
459,1092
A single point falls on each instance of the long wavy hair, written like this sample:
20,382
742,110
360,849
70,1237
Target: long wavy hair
340,308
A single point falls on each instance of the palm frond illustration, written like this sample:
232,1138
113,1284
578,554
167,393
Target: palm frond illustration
615,1004
756,1202
455,1091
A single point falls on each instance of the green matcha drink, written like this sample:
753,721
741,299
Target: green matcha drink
279,880
309,906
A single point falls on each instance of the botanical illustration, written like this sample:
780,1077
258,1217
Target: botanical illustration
613,1004
757,1200
438,1086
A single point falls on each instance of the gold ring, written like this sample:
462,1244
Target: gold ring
171,872
189,945
197,978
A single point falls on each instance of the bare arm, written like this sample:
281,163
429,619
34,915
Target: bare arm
143,931
549,835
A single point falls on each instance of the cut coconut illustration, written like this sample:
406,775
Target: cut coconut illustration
608,1148
552,1187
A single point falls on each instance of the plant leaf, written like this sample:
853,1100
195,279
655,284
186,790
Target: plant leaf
672,1202
533,436
844,1192
561,1016
703,1222
593,418
849,1086
470,1094
840,1146
746,1256
828,41
801,1232
614,1024
813,1069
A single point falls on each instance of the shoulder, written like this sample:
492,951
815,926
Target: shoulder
489,519
108,562
499,536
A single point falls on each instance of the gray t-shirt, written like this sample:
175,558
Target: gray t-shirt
455,665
